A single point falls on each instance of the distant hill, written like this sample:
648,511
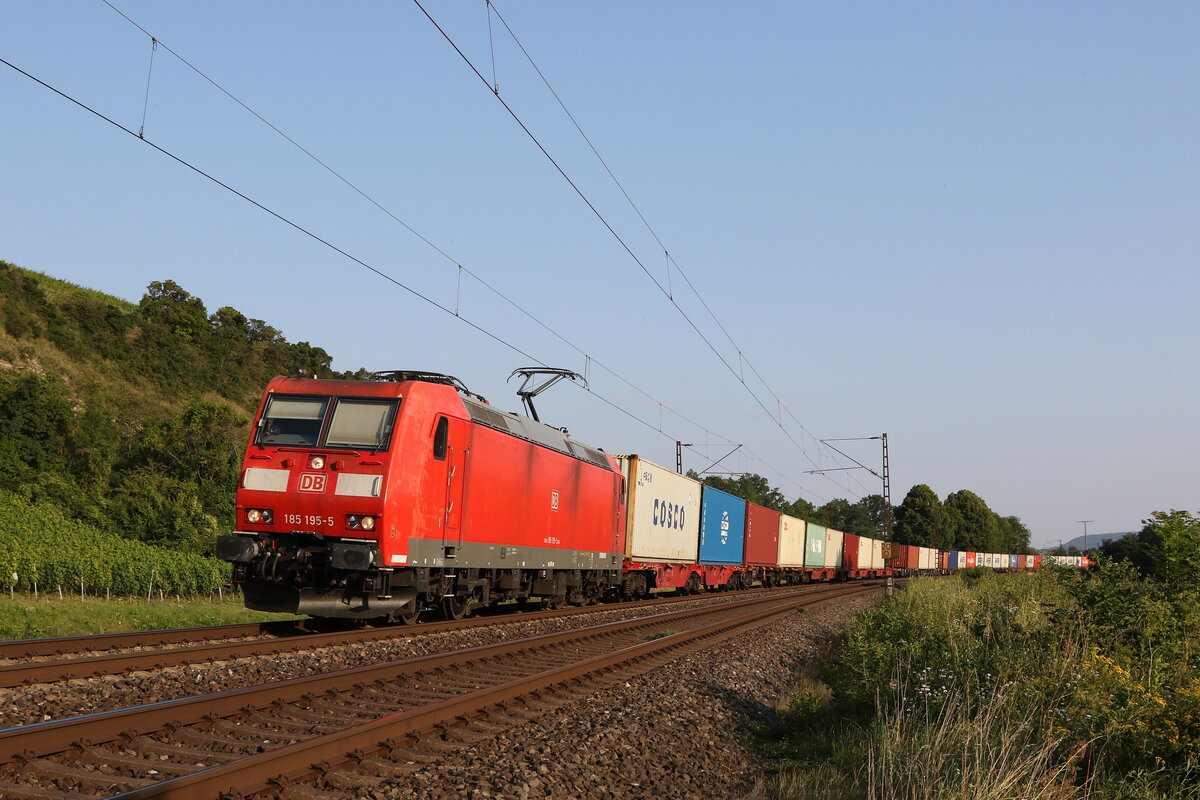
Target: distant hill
1094,540
131,416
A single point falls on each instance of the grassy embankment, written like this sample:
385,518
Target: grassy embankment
1052,686
27,617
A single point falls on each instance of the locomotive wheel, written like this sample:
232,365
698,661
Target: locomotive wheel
454,607
410,615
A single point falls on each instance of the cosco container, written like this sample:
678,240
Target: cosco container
662,513
792,550
833,546
722,527
762,535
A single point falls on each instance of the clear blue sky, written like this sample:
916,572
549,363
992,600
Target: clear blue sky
973,226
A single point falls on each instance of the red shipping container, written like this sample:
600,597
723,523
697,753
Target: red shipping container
970,559
1037,562
762,535
850,552
897,559
943,559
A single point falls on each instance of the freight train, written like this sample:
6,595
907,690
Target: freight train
377,499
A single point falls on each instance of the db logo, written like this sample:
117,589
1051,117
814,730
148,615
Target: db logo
554,501
311,482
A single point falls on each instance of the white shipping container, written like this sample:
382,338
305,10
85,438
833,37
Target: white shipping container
833,547
928,558
662,518
876,554
864,553
792,542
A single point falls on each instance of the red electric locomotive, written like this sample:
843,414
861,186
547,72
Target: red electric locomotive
374,499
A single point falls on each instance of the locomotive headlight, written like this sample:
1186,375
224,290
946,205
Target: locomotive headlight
260,515
368,523
316,462
352,521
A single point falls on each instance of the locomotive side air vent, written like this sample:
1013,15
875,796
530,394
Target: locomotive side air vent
488,416
588,454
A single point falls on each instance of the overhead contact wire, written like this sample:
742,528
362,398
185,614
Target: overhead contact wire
432,245
604,221
315,237
650,228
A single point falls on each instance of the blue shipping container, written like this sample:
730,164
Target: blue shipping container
1012,562
722,527
955,560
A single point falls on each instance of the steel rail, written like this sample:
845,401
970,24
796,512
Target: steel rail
55,736
66,645
52,671
311,757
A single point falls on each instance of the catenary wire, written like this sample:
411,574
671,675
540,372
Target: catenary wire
300,228
650,228
604,221
156,42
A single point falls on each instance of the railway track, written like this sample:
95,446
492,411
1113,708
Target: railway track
337,734
66,658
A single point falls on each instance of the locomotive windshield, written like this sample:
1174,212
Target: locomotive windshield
291,420
297,421
361,423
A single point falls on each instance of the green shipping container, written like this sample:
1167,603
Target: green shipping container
814,552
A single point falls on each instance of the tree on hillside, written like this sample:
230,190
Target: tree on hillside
167,304
921,520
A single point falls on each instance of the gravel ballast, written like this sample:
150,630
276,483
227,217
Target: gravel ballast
669,733
42,702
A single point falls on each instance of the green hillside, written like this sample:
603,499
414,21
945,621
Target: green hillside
131,417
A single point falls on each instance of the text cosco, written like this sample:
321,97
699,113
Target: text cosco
668,515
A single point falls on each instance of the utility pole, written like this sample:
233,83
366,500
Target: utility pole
679,455
1085,524
886,477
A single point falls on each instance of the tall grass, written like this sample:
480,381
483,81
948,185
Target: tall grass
952,690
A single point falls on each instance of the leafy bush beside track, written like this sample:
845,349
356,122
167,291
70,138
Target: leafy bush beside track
1049,686
44,547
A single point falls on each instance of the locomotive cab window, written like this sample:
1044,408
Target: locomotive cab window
439,439
361,423
292,421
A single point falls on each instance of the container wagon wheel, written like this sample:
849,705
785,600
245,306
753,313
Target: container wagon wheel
454,607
